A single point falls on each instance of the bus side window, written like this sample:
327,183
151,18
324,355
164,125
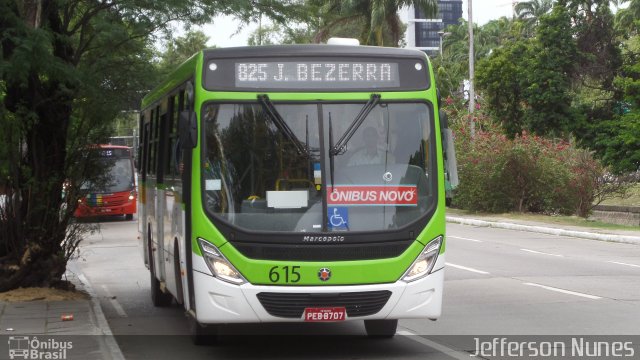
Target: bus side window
172,151
145,150
138,151
154,141
162,143
151,146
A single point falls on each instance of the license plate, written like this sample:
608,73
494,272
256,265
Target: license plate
325,314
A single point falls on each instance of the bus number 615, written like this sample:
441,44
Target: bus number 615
291,274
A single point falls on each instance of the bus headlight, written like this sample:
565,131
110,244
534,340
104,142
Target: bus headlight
132,195
220,267
424,263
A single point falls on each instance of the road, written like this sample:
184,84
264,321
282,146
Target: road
498,282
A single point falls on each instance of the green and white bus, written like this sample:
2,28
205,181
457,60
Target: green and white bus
295,183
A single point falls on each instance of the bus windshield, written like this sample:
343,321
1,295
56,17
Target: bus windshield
257,179
119,176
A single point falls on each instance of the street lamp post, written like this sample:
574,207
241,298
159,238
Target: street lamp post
442,34
472,95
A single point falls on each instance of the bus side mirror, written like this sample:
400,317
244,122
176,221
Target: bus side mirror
444,121
188,130
450,164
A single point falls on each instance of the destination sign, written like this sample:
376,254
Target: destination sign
315,73
115,152
318,74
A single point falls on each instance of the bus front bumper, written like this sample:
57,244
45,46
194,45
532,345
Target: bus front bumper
220,302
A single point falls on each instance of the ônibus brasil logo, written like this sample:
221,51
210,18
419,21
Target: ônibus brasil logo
25,347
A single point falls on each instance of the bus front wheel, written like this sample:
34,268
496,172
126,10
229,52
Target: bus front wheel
382,329
203,335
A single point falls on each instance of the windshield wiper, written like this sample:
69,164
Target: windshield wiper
339,148
330,155
277,119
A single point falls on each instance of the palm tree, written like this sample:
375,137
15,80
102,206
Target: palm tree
531,11
625,18
374,16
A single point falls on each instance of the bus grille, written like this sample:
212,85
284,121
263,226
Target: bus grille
332,252
288,305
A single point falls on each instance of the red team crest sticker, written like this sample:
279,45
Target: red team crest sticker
403,195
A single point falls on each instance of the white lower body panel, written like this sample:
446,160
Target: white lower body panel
220,302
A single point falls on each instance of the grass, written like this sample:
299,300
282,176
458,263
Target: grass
632,198
557,220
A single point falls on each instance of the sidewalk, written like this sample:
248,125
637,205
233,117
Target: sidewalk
631,236
38,325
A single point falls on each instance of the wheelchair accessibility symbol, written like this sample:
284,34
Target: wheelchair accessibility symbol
338,217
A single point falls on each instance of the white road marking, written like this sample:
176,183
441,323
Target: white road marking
592,297
114,302
541,253
467,268
456,354
467,239
621,263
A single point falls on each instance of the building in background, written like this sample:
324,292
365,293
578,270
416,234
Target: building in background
422,33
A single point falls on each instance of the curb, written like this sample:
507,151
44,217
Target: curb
546,230
109,341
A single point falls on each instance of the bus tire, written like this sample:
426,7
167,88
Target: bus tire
128,217
158,298
203,335
381,329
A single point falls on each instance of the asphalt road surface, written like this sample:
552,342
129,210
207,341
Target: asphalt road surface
498,282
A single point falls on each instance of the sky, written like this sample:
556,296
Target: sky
222,31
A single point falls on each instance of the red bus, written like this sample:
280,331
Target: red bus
118,196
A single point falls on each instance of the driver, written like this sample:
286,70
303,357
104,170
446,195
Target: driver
370,154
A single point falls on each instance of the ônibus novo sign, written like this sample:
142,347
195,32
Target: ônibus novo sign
368,195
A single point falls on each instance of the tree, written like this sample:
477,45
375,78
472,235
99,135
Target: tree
627,19
551,66
617,140
527,83
273,34
531,11
374,16
66,69
500,78
180,49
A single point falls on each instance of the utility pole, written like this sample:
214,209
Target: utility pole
442,34
472,95
260,29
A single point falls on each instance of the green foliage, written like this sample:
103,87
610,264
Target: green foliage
180,49
275,34
564,73
374,18
67,70
530,13
526,82
453,66
615,134
525,174
501,78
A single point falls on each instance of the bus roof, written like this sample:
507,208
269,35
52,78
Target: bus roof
311,50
